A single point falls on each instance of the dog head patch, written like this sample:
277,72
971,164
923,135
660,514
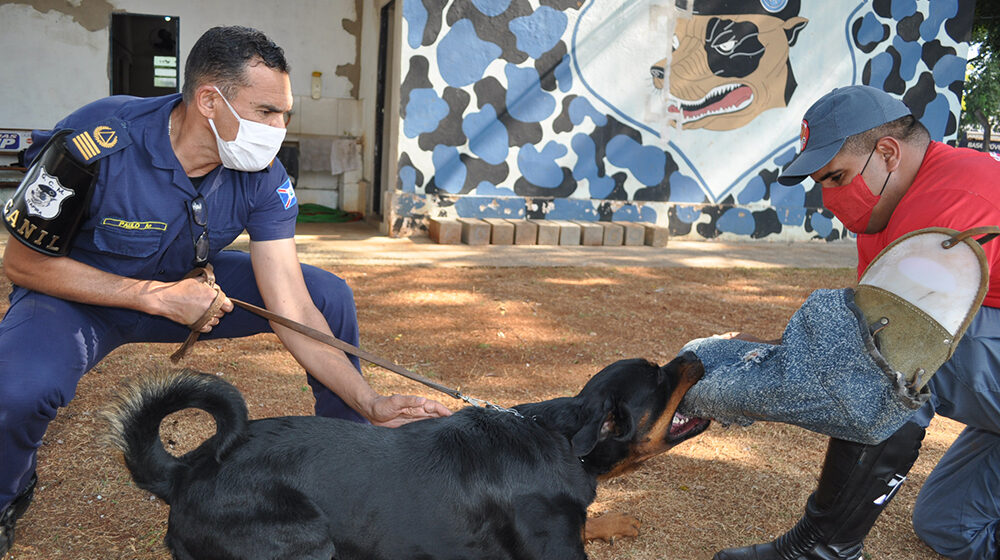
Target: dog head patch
44,196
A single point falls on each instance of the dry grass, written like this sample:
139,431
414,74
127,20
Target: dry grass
509,335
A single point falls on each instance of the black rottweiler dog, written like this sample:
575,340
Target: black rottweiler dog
482,483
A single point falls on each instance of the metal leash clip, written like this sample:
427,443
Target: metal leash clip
487,404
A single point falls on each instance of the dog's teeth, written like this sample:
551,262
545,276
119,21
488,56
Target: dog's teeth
679,419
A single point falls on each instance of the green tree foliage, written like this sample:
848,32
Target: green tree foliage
981,102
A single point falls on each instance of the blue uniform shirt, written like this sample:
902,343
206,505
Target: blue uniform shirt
138,224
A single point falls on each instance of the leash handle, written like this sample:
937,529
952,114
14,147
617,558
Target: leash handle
331,340
207,275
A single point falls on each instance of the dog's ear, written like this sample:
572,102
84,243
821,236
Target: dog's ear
613,420
622,424
585,439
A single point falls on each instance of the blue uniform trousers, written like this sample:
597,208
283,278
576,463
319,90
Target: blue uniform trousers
958,509
47,344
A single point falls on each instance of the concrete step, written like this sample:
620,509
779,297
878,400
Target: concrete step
446,231
475,231
500,231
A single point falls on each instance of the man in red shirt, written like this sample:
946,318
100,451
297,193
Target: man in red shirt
883,177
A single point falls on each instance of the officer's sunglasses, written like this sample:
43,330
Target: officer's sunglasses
199,215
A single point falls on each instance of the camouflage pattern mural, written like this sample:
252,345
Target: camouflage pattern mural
637,110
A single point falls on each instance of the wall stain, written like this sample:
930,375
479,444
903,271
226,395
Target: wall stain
92,15
351,71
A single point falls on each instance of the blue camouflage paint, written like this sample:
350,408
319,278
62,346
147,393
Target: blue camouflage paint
633,213
940,10
909,53
586,167
564,74
871,29
408,179
539,32
526,100
463,56
424,112
572,209
789,203
449,171
416,18
486,188
737,220
948,69
540,167
688,214
903,9
822,225
753,191
489,207
581,109
684,189
936,117
881,66
645,162
491,7
785,157
487,135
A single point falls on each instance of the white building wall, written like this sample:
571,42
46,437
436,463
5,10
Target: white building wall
52,65
56,61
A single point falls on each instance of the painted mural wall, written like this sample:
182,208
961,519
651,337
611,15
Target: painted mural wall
633,110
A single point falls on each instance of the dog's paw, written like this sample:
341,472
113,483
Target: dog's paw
610,526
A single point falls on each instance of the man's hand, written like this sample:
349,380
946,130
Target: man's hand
395,410
187,300
183,302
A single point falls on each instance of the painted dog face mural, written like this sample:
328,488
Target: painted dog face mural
728,69
546,109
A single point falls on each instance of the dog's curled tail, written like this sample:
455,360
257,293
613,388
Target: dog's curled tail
135,415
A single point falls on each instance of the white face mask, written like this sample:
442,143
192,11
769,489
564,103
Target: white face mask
255,145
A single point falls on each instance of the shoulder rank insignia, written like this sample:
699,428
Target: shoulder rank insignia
99,140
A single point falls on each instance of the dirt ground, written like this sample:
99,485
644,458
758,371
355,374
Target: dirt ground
510,335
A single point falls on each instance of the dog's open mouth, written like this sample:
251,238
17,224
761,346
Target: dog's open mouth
728,98
684,427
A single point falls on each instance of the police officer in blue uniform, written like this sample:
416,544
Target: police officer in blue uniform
175,180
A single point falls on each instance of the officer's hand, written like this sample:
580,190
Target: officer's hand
396,410
188,300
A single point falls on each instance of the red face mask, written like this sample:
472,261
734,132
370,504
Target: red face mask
853,203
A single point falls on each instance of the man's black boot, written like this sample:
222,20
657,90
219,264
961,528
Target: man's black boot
13,512
854,487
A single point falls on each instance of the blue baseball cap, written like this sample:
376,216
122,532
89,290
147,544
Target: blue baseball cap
832,118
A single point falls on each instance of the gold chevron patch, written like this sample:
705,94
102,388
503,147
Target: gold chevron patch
85,143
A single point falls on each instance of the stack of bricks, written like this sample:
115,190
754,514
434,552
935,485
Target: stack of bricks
498,231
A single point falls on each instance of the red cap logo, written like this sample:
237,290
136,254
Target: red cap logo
803,136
